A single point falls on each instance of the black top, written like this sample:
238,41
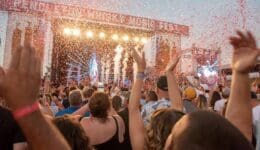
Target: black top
66,103
113,143
124,115
10,132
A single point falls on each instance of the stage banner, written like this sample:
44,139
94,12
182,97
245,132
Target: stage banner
61,10
22,27
150,49
187,64
3,28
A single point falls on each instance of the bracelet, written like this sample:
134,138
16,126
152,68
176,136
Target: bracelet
22,112
140,75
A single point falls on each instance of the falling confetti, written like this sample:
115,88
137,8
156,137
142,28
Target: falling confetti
77,51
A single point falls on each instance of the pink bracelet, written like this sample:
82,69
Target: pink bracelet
22,112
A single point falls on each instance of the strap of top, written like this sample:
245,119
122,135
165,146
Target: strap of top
116,124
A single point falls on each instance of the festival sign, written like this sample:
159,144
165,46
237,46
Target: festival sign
61,10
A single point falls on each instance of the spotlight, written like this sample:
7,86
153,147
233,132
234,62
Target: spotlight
143,40
136,39
102,35
66,31
89,34
115,37
76,32
125,38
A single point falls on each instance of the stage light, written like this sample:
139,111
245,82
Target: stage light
143,40
89,34
115,37
136,39
125,38
76,32
67,31
102,35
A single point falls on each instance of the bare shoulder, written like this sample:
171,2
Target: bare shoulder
85,121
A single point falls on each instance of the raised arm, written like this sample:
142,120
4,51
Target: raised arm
136,126
20,87
244,58
174,91
82,111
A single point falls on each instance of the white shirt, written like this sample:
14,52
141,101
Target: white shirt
219,105
151,107
256,114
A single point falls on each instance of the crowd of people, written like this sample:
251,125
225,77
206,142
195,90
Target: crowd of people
167,116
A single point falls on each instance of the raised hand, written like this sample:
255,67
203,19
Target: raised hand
171,67
20,84
245,52
173,89
244,58
139,59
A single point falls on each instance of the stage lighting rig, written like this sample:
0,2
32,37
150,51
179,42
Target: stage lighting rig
136,39
125,38
76,32
67,31
115,37
102,35
89,34
143,40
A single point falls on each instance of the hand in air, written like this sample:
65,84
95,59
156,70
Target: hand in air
139,59
21,81
171,67
245,52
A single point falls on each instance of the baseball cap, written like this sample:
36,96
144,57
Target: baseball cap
190,93
162,83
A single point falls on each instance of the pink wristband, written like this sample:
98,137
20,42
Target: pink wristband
22,112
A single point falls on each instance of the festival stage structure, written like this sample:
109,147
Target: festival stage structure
77,42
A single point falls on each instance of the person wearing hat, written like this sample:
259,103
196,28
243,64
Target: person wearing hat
189,95
162,102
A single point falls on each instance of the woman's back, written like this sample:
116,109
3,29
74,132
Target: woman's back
105,134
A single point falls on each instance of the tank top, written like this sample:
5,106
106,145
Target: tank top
111,144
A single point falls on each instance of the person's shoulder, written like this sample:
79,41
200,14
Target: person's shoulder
84,120
4,110
147,106
123,112
60,112
118,118
162,102
256,108
6,114
220,102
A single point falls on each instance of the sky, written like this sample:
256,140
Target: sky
211,21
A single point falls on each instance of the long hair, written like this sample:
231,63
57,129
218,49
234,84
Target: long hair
214,98
162,122
72,132
202,102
